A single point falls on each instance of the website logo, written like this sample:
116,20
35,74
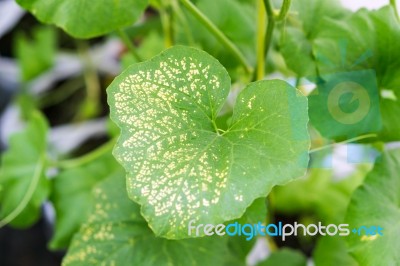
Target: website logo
280,230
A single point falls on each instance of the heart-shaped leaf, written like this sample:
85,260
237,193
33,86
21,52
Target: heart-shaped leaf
116,234
180,166
86,19
377,204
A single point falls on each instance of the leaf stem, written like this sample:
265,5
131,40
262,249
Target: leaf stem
124,37
394,5
272,19
217,33
28,195
367,136
270,27
284,10
261,18
87,158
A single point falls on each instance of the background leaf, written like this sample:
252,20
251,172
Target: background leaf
332,251
365,41
22,176
72,196
301,29
86,19
376,203
36,56
315,193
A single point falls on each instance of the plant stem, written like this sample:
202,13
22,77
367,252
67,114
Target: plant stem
394,5
217,33
76,162
124,37
260,40
272,19
28,195
284,10
270,26
367,136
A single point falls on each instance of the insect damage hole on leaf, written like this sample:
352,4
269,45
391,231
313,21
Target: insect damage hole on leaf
179,165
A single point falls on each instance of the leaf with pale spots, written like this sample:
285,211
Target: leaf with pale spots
180,166
377,204
116,234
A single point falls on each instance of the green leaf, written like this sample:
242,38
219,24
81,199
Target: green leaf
301,30
37,55
180,166
376,203
116,234
72,196
285,257
332,251
22,181
346,105
366,42
86,19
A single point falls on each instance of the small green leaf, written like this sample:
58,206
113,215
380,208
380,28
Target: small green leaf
376,203
180,166
72,196
35,56
86,19
24,185
116,234
285,257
